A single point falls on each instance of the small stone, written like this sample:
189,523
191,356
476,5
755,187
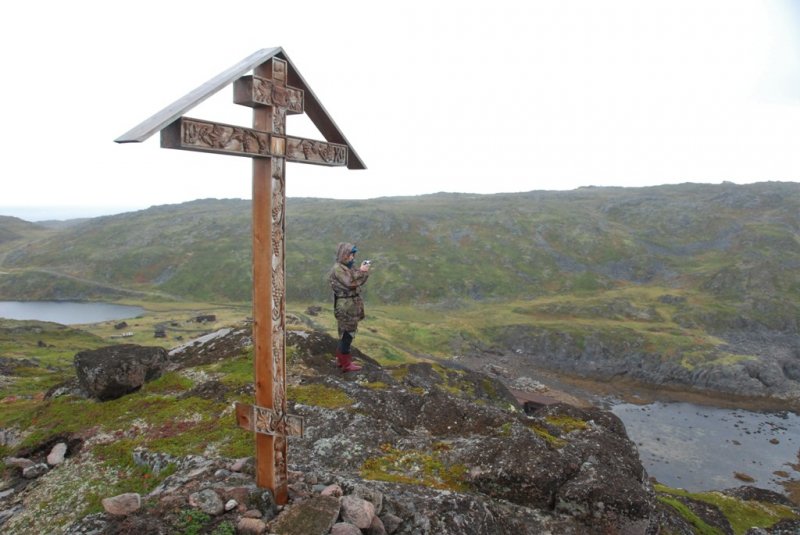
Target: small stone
391,522
343,528
774,441
315,515
222,473
231,505
376,528
262,500
240,494
37,470
9,437
57,454
208,501
332,490
251,525
357,511
123,504
239,464
238,478
371,495
253,513
298,490
19,462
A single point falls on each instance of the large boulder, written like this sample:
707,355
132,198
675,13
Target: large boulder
114,371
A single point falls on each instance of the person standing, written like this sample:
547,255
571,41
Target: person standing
348,307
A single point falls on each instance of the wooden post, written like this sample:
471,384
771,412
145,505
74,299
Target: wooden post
268,302
262,298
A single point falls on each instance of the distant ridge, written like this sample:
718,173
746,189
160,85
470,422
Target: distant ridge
451,246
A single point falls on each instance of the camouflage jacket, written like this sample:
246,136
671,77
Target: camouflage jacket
346,284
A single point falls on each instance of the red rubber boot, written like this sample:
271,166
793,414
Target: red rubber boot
346,363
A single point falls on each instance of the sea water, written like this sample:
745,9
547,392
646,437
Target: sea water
703,448
66,312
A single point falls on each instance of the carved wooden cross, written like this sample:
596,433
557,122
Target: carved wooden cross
267,91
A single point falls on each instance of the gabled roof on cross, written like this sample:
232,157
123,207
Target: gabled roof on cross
313,107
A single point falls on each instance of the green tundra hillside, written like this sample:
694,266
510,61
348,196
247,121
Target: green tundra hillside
687,284
733,242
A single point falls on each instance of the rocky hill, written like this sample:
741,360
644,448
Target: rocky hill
733,243
420,449
14,229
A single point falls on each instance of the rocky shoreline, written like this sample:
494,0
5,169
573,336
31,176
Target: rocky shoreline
584,389
756,363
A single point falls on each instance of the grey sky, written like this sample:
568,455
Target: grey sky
435,96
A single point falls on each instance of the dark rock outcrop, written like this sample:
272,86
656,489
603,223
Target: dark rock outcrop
576,467
111,372
759,365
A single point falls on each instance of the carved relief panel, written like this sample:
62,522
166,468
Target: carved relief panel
319,152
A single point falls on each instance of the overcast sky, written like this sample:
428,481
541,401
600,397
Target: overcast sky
479,97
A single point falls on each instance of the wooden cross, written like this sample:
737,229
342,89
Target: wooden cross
267,91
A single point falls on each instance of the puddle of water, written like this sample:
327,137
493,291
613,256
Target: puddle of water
701,448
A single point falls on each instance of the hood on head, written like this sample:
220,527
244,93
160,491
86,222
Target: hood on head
343,251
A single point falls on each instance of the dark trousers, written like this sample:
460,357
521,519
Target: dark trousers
344,343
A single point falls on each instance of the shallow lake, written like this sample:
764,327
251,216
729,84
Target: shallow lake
701,448
66,312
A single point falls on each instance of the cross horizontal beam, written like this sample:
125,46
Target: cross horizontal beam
255,91
266,421
220,138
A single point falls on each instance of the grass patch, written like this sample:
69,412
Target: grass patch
236,371
177,319
416,468
452,381
697,523
68,415
39,354
551,439
741,514
377,385
192,521
118,456
567,424
624,316
399,373
319,395
171,382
